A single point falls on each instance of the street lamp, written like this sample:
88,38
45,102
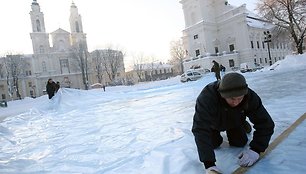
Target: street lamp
268,40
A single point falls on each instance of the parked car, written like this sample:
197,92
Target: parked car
190,76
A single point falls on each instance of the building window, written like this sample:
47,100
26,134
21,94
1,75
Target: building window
38,26
197,52
41,49
255,61
231,63
266,61
32,93
44,67
3,97
252,45
28,73
260,60
196,36
231,47
64,63
258,44
216,50
77,28
30,84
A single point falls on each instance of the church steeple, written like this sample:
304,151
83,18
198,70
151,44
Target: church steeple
75,19
37,18
76,27
40,39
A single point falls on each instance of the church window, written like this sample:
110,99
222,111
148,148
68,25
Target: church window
44,67
64,63
38,26
252,45
216,50
263,44
196,36
41,49
77,28
231,47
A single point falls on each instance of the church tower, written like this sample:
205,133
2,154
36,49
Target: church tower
203,19
78,38
40,39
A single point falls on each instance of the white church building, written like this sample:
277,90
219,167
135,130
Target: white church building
216,30
56,55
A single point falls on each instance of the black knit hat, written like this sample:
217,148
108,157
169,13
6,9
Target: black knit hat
233,85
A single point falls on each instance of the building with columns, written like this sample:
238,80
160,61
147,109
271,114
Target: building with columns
216,30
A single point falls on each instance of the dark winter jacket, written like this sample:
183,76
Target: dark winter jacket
51,88
213,113
216,67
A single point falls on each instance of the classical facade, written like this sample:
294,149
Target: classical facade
66,59
216,30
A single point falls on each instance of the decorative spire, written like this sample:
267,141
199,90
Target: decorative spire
34,2
73,4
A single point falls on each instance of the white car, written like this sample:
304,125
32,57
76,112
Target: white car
190,76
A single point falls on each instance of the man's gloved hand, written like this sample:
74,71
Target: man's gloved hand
248,158
213,170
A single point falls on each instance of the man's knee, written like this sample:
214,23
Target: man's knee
239,142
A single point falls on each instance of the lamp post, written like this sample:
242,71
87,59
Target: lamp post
268,40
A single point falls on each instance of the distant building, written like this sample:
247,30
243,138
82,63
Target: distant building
216,30
64,59
149,72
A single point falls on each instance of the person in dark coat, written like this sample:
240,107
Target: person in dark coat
223,106
216,68
50,88
57,86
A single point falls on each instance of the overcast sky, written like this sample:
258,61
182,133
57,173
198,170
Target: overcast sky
136,26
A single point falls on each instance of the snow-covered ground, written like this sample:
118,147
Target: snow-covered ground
144,128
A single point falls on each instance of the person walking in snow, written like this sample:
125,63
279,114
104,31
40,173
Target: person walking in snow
216,68
223,106
50,88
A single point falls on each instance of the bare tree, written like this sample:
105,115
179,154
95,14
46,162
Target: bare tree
80,56
113,62
138,62
178,54
152,66
14,65
286,14
97,60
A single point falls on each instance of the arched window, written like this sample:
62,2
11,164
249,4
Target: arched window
38,26
41,49
77,28
44,67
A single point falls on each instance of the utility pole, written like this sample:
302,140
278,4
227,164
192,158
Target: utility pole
268,40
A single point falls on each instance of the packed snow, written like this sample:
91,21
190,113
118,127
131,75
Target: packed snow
145,128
